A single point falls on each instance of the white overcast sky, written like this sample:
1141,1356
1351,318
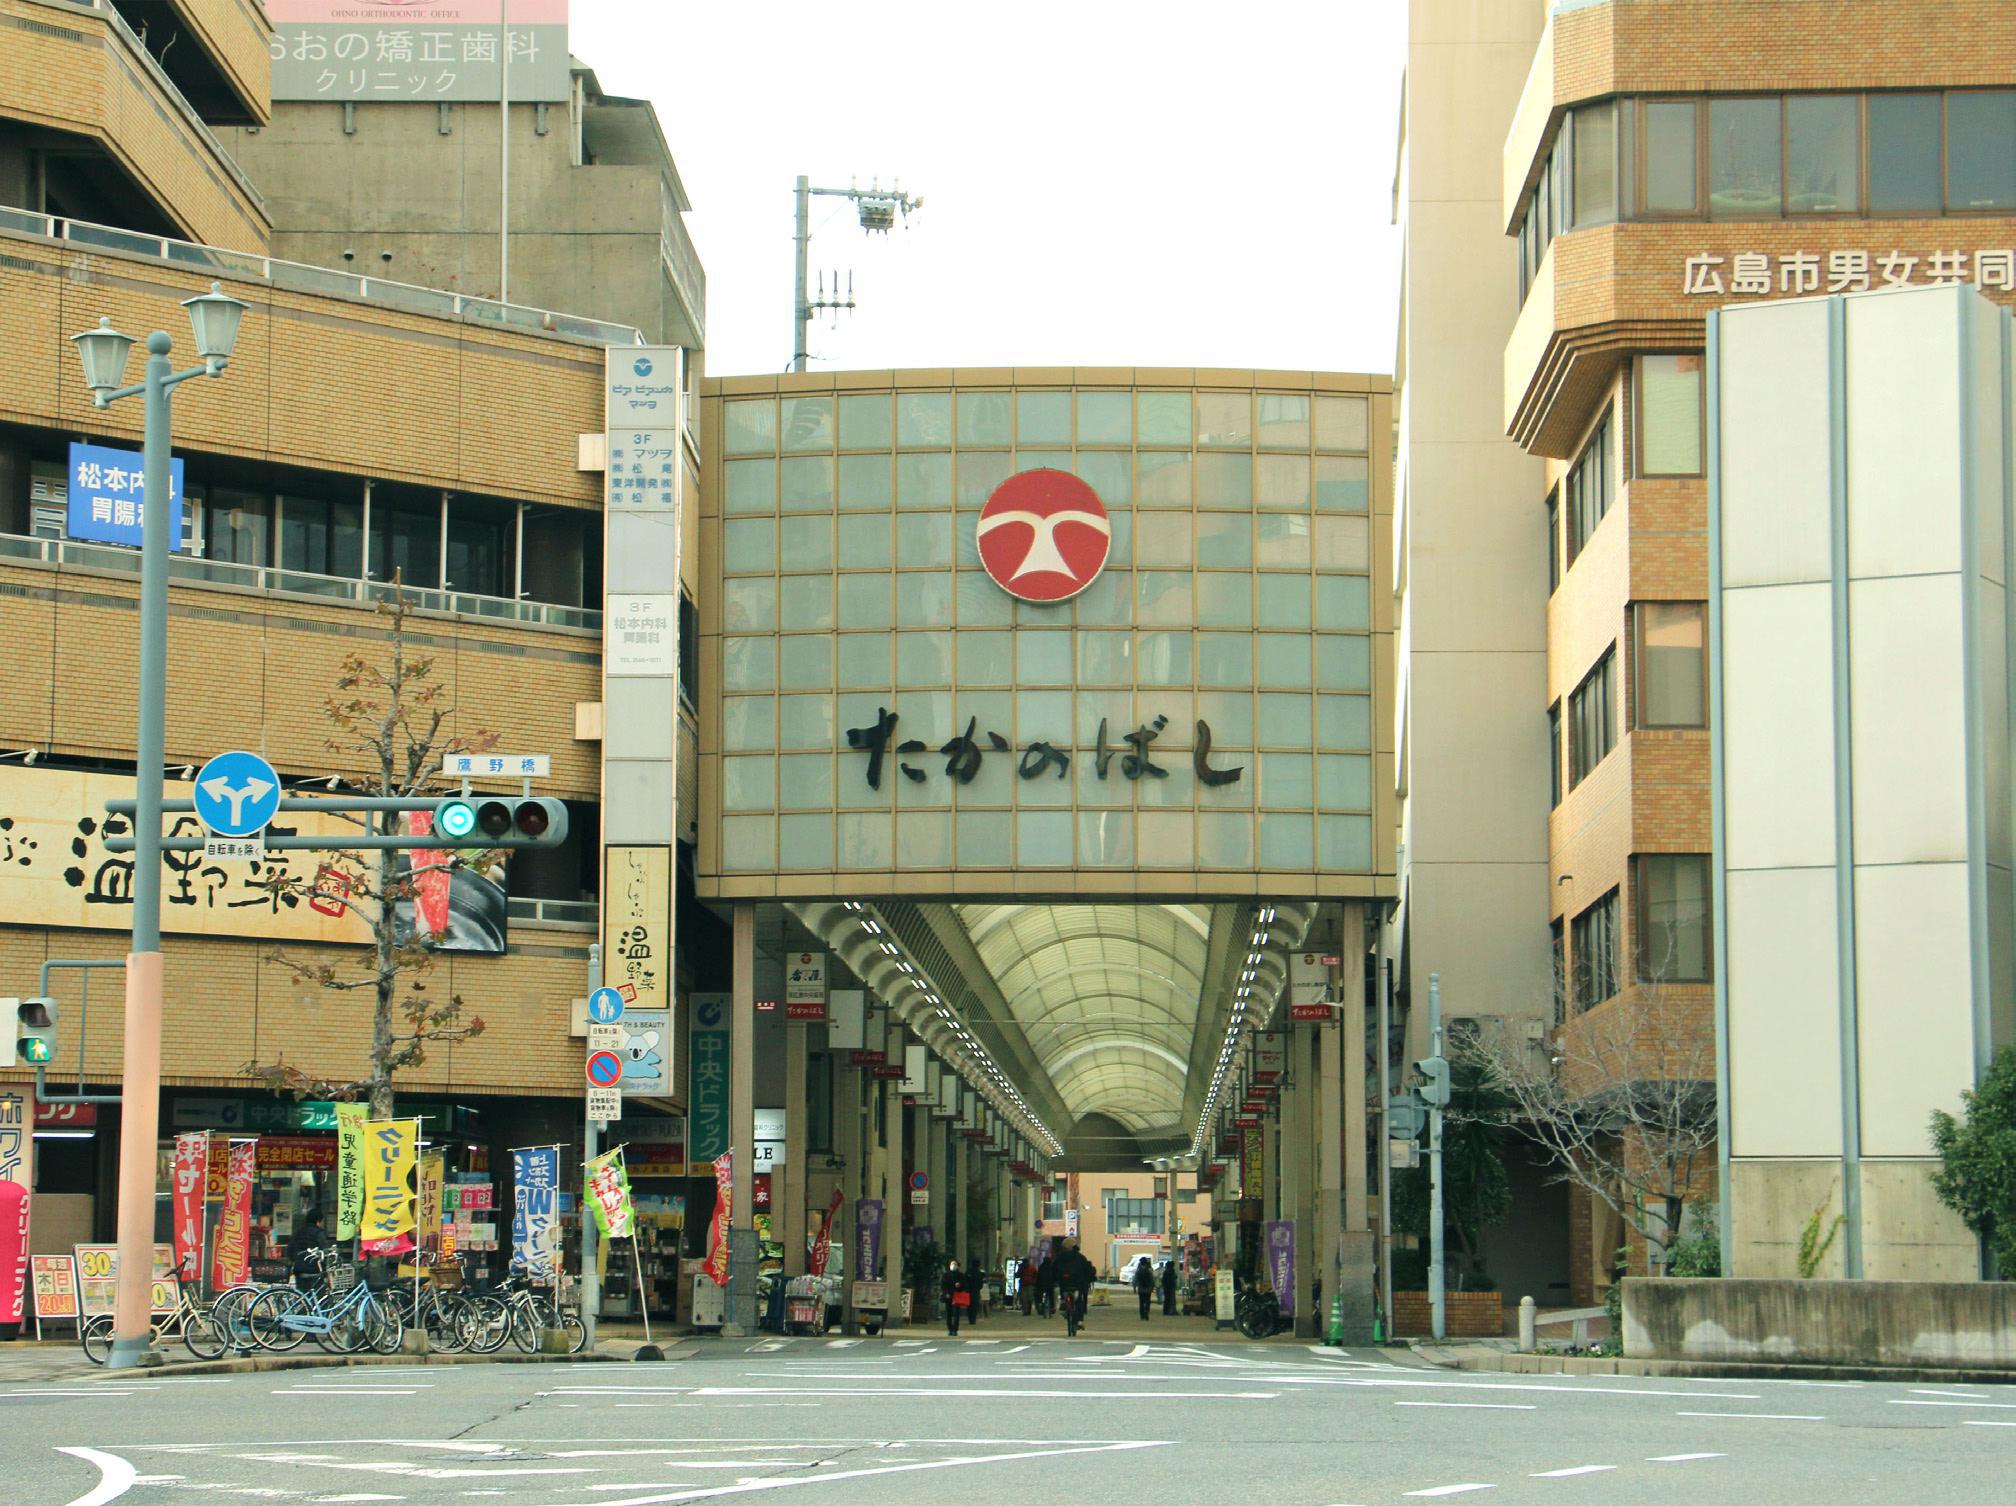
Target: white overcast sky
1106,182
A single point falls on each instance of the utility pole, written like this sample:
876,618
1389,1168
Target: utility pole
1386,1145
877,208
591,1147
1437,1093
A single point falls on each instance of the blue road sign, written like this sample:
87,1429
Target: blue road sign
237,794
605,1069
605,1006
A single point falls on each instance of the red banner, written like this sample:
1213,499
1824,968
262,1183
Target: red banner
231,1256
13,1251
190,1175
724,1198
822,1249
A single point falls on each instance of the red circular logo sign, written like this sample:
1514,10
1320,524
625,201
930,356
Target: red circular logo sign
1044,535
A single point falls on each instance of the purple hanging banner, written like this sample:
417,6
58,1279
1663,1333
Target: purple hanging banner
867,1238
1281,1262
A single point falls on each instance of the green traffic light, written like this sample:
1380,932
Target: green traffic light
35,1049
455,818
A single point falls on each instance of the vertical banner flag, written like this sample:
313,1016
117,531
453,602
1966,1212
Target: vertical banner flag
349,1168
17,1180
609,1195
391,1147
724,1210
433,1175
191,1175
822,1249
867,1238
535,1227
231,1257
1252,1162
1281,1262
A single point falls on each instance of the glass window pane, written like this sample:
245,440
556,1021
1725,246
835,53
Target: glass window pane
807,543
980,474
1669,415
1224,539
1103,658
1165,476
1284,661
1107,472
925,599
1106,838
1280,480
864,421
749,426
1043,418
1166,839
808,841
1165,659
1343,601
806,779
864,482
864,839
1287,841
1594,138
746,486
864,661
748,784
749,605
983,603
1343,663
923,420
923,658
1224,599
749,663
748,841
1229,715
1042,658
924,839
864,543
1286,779
1107,602
807,423
1669,157
1344,721
1164,596
1981,149
982,838
984,418
807,661
986,658
1344,843
1283,602
1823,152
1224,839
1743,158
1342,483
1671,679
1163,539
1225,420
1043,838
748,723
1164,418
1224,481
924,480
1344,781
1283,539
1105,418
1284,723
1341,424
1343,543
924,538
748,546
807,482
1284,421
1675,944
808,603
1903,154
1224,658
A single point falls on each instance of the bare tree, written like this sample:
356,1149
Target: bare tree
390,720
1623,1102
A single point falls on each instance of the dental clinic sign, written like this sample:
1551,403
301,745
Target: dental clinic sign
107,500
419,49
1793,273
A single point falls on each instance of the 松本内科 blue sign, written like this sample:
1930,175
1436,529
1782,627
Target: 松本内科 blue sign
108,496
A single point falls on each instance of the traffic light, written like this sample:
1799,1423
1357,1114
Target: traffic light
35,1030
540,822
455,818
1434,1071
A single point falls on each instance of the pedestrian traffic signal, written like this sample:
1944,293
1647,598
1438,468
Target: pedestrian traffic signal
522,823
1434,1071
34,1030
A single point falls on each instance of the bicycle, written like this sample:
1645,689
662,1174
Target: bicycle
345,1315
196,1326
513,1310
1073,1303
1257,1314
447,1318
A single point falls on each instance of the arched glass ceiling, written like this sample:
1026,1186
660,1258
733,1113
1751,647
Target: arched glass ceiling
1106,995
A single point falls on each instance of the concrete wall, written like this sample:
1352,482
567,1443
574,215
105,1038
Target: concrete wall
1918,1323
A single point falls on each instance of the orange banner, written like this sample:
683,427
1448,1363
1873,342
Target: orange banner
231,1256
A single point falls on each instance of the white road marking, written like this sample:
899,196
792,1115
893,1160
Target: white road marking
1016,1350
1475,1406
1968,1395
1450,1490
358,1498
348,1391
1763,1416
94,1391
1979,1422
978,1391
856,1474
2001,1406
1681,1458
841,1343
1467,1385
115,1476
1579,1469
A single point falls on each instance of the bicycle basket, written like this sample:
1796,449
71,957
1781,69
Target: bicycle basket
341,1277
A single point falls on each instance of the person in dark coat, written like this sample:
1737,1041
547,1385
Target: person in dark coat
1169,1289
311,1236
1025,1285
1075,1275
1046,1286
1144,1284
953,1290
976,1292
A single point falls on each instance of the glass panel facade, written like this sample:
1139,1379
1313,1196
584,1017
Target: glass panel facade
1981,149
1904,154
1743,161
1822,153
1670,186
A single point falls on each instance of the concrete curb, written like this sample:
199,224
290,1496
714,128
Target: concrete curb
255,1363
1484,1358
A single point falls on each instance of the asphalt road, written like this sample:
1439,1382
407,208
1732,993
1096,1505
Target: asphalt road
927,1420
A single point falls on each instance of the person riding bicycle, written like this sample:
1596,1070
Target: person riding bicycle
1075,1275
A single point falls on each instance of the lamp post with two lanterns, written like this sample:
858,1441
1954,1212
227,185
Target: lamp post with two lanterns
214,317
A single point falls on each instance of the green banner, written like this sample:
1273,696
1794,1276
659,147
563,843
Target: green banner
609,1195
349,1167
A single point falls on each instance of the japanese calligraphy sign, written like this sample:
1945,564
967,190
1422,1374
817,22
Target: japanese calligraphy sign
1790,274
231,1255
418,49
609,1195
535,1222
708,1084
55,1278
1128,756
55,870
724,1210
349,1168
391,1147
190,1177
433,1176
108,496
1252,1160
637,926
805,986
640,635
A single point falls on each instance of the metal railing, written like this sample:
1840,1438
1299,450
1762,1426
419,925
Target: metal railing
248,266
70,553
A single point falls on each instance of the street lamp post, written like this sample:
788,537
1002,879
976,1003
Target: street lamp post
214,317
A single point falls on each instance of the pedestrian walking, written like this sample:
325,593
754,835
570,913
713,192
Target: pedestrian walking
1025,1285
1169,1288
1046,1286
957,1295
1144,1283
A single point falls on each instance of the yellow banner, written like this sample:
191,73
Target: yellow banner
637,925
390,1147
349,1168
433,1173
56,871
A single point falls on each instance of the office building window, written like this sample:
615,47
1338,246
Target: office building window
1554,751
1670,157
1593,142
239,526
1981,149
1743,159
319,537
1675,939
1904,154
689,650
1822,153
1553,540
1671,672
1589,489
1560,941
1596,952
1669,415
1132,1215
1055,1196
1592,727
